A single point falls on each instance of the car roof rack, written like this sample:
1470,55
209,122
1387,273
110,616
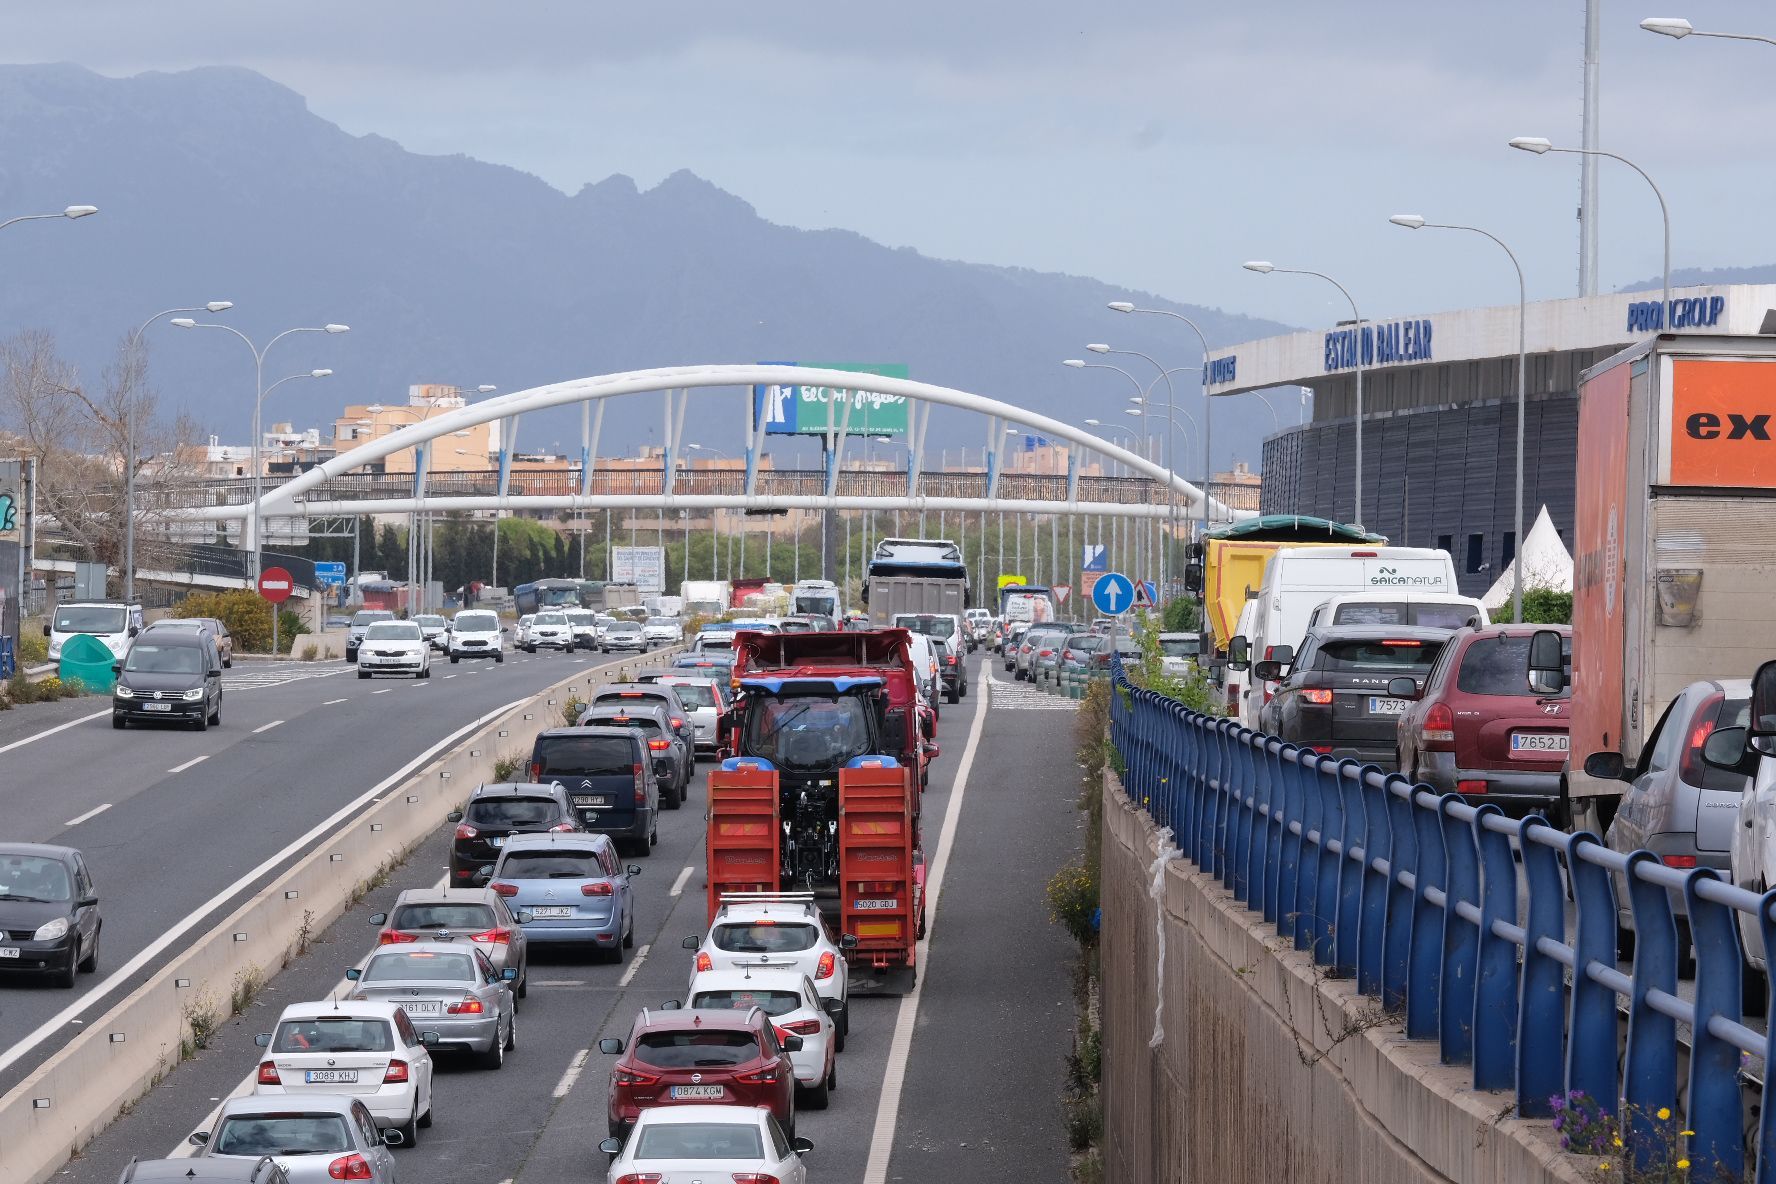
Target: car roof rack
801,901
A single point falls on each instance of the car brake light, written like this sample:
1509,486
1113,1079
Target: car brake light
1690,768
1408,643
1365,555
755,1178
641,1178
677,722
1438,726
1678,860
1322,749
1320,697
827,962
496,936
465,831
395,937
268,1074
504,889
641,786
800,1028
469,1005
350,1167
705,962
536,771
1044,653
659,745
1475,786
597,888
631,1077
766,1076
396,1074
950,660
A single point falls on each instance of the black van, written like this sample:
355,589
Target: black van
169,676
608,777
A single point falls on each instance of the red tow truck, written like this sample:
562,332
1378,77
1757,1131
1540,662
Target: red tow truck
825,760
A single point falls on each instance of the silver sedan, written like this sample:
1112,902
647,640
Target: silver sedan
452,989
316,1139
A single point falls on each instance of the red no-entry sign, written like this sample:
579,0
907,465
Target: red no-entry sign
276,584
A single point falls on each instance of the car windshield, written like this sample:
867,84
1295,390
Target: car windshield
430,622
371,616
930,624
772,1003
807,732
511,812
1499,665
474,917
334,1034
693,694
164,659
586,756
476,623
282,1134
700,1140
1391,656
393,631
1085,643
623,627
663,622
1180,647
582,619
34,878
419,966
712,1049
1404,612
89,618
550,619
765,937
551,865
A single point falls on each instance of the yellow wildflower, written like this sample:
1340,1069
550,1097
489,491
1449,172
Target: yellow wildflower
1683,1165
1664,1113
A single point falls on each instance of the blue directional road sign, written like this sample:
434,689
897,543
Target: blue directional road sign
329,573
1113,594
1093,557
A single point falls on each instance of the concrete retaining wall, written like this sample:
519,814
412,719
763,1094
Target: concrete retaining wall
77,1092
1269,1071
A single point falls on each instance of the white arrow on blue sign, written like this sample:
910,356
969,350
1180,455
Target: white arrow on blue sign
1113,594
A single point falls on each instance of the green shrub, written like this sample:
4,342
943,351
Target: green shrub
20,690
507,766
248,617
1545,606
1073,900
33,647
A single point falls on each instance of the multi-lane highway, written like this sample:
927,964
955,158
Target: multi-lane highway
960,1079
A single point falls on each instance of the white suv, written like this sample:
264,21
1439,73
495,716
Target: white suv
549,630
795,1008
475,633
781,930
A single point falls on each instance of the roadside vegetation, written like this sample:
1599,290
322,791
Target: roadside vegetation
248,617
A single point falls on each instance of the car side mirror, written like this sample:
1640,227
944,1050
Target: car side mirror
134,629
1269,670
633,869
377,918
611,1046
611,1147
454,816
353,974
1403,687
509,974
117,668
263,1040
1763,701
1547,662
848,941
393,1137
690,943
833,1007
1239,653
46,631
198,1138
1607,766
430,1039
792,1044
1728,748
524,916
671,1005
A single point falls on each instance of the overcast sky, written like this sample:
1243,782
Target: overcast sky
1154,143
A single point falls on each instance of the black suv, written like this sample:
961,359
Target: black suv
952,669
609,777
170,676
1334,694
495,812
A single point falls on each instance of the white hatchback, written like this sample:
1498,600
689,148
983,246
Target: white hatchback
394,647
707,1142
549,630
795,1008
363,1049
778,930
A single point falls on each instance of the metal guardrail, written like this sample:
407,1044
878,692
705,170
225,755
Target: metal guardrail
1416,896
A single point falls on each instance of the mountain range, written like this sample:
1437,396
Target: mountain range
220,184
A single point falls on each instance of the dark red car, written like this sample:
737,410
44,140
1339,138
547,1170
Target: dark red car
702,1058
1477,728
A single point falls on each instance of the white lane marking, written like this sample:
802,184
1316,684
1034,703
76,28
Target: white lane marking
634,965
383,691
330,702
172,937
196,760
92,813
684,878
450,676
267,727
574,1069
48,732
894,1076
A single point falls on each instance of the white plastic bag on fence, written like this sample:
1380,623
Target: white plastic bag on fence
1156,889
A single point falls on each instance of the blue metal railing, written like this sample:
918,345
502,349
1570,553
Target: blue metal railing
1417,896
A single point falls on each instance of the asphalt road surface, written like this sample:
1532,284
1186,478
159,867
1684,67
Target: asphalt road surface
980,1052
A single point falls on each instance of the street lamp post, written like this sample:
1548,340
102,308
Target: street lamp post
71,212
1416,222
1677,28
1541,147
129,447
714,535
1171,470
1263,268
1107,428
260,392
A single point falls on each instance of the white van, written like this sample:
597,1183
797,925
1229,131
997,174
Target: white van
1432,610
109,621
1300,579
1236,672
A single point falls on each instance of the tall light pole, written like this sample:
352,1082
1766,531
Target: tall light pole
1416,222
1263,268
1171,470
71,212
1541,147
714,535
129,443
1678,28
1107,428
258,402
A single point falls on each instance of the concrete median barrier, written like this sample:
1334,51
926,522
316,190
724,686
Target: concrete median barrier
124,1051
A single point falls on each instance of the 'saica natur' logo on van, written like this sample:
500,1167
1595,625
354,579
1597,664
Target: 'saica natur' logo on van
1391,577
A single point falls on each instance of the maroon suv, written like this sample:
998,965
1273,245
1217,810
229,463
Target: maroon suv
1477,727
702,1058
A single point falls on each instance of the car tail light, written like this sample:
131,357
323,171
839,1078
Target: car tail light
1678,860
536,771
705,962
350,1167
1044,653
468,1005
496,936
800,1028
1438,726
1690,768
1478,786
641,786
659,745
755,1178
631,1077
504,889
268,1074
396,1074
395,937
677,722
1322,749
597,888
1365,555
825,969
950,660
465,831
562,826
765,1076
1320,697
641,1178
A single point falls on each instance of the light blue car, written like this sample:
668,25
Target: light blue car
574,889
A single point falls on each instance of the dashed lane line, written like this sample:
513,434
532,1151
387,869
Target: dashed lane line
196,760
90,814
267,727
684,877
634,965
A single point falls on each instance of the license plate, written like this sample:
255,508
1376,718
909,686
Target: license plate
1533,742
1381,706
9,952
497,841
552,911
591,801
698,1091
157,707
888,903
330,1076
422,1007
